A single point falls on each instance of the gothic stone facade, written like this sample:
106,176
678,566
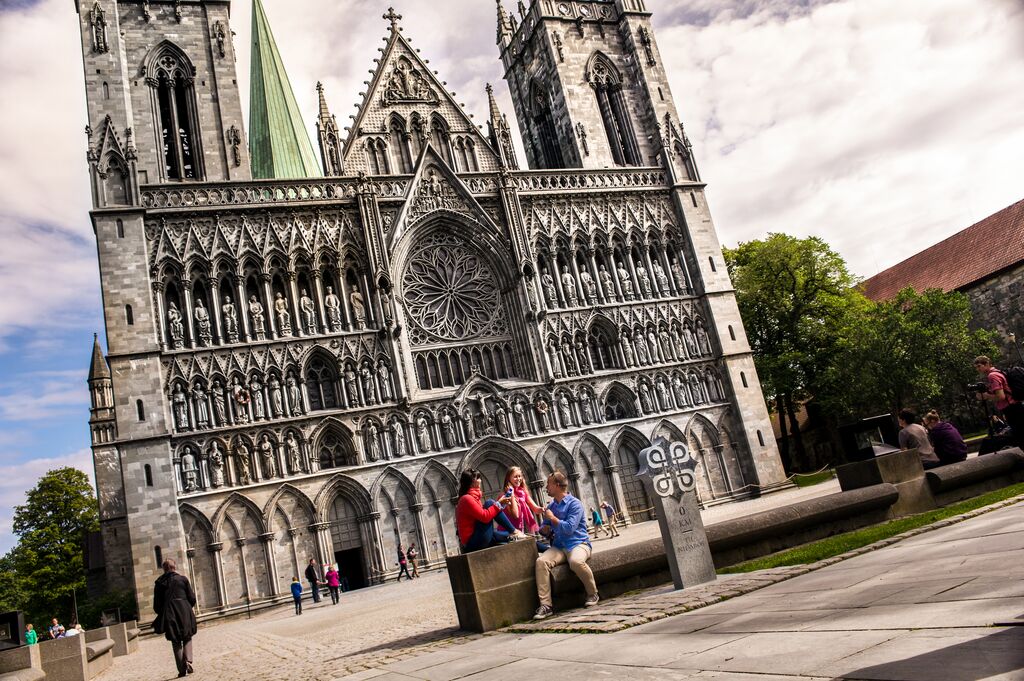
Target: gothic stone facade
301,368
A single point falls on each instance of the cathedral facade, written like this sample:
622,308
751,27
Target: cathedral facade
302,356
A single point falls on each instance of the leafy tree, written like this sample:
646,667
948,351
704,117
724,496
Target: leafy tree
51,526
914,350
793,294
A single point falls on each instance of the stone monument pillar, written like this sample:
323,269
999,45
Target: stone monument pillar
667,470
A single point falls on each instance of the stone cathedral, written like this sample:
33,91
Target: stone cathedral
303,353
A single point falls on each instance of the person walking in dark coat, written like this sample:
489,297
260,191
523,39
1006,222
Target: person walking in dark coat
173,601
403,566
314,580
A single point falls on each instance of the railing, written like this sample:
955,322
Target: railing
561,180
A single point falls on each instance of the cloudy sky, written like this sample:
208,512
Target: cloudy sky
880,126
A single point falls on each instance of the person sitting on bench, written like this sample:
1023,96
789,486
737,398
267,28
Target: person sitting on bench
475,518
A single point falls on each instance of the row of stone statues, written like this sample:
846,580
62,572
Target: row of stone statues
686,391
570,291
642,347
215,468
308,318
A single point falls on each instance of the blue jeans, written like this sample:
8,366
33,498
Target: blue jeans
485,535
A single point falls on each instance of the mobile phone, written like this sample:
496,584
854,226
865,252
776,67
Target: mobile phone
508,492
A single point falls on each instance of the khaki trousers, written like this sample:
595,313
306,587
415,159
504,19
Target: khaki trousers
577,558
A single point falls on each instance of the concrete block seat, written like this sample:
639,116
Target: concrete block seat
21,664
125,637
65,659
494,587
99,650
958,481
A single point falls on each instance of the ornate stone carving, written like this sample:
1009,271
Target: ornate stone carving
384,381
219,37
202,316
242,463
332,303
293,454
581,133
308,310
284,318
434,193
98,29
276,398
219,405
215,456
406,84
202,409
189,470
358,307
268,457
179,402
256,317
256,391
397,429
294,397
625,282
423,433
177,328
230,319
643,279
569,288
547,282
240,396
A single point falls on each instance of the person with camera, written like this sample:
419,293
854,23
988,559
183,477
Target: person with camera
475,518
994,388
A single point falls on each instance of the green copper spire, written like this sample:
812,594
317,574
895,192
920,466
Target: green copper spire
278,141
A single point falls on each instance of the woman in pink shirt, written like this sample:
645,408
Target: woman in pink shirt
333,582
521,511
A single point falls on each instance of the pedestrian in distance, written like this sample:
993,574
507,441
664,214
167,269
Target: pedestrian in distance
297,595
314,580
56,629
610,517
403,565
333,582
173,601
595,516
410,555
31,637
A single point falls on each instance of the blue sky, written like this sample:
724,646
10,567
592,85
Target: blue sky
882,127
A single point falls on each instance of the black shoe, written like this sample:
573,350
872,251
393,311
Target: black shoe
189,669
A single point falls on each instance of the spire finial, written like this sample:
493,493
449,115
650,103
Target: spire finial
393,18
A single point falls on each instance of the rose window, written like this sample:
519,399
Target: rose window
450,291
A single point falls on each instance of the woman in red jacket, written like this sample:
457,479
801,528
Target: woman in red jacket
475,518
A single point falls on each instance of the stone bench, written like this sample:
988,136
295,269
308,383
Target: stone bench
958,481
99,649
77,658
494,587
125,637
21,664
902,469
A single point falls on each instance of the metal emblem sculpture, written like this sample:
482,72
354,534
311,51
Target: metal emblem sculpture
668,470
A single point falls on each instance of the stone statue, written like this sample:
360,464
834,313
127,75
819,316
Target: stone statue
696,390
569,287
241,398
627,351
645,398
189,470
230,319
680,276
256,315
519,413
565,410
556,364
607,284
691,342
661,278
398,437
242,464
624,281
216,458
501,421
284,318
653,349
543,413
294,396
547,282
366,373
589,287
568,360
219,407
582,358
470,420
679,388
177,328
202,316
308,310
358,307
586,411
276,398
664,399
352,386
643,279
373,442
448,429
180,402
423,433
268,460
256,392
292,453
333,305
666,344
642,358
703,342
384,380
202,408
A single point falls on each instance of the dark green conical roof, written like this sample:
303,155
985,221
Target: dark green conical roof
278,141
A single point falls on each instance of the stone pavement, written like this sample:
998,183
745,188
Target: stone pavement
944,605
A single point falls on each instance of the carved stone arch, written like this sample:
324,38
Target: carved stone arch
601,70
198,267
503,453
669,430
597,447
702,422
333,444
392,473
198,517
246,503
619,402
342,484
443,473
284,490
561,455
395,118
169,60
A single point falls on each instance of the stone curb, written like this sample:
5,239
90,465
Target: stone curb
638,608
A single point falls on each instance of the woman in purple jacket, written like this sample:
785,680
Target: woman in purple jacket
949,445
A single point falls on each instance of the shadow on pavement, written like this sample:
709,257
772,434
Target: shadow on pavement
992,655
412,641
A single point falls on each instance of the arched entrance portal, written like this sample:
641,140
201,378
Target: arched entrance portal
627,451
347,541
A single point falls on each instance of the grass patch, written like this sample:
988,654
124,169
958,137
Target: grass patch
808,479
841,543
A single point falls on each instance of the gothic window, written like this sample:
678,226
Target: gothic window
171,76
619,405
544,128
611,102
442,140
465,153
401,160
120,229
604,348
321,382
140,410
149,475
129,316
376,157
335,451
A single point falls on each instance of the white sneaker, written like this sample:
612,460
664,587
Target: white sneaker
591,601
543,612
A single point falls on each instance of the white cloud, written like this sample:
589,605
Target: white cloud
44,396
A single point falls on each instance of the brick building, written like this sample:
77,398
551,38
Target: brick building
302,357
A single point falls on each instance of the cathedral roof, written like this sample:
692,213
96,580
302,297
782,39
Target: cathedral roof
278,141
976,253
98,369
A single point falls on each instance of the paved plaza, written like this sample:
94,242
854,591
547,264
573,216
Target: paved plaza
946,604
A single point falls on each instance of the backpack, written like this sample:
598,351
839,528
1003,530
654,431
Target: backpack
1015,379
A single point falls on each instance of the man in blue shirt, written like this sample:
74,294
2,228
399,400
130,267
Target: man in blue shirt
565,525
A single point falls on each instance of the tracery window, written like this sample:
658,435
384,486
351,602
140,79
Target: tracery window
611,102
604,349
172,79
442,140
321,384
544,125
335,452
401,160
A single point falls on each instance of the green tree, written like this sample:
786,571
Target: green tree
51,526
914,350
793,294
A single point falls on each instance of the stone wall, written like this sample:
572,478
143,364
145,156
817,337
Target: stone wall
996,306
